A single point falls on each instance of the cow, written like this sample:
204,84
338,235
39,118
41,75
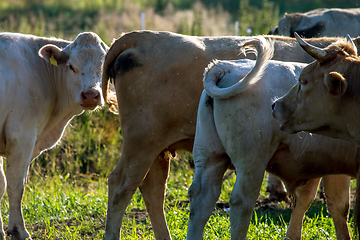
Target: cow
157,77
316,23
235,128
44,83
332,22
325,99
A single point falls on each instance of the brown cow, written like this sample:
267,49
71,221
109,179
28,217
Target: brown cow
324,22
158,81
294,164
325,100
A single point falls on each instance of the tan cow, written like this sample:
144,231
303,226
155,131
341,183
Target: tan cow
325,100
44,83
322,22
306,157
329,22
158,81
315,23
235,127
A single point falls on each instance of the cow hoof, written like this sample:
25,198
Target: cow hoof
279,197
18,235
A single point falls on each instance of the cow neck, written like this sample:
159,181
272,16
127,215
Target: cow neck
62,105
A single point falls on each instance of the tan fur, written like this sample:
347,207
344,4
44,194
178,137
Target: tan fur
323,109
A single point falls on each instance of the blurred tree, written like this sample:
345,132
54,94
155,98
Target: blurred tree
254,20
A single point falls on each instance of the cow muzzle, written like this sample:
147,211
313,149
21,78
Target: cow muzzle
90,99
284,117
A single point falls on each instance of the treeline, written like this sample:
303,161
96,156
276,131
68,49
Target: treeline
110,18
234,6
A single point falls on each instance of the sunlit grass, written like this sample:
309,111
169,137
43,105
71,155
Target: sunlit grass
63,208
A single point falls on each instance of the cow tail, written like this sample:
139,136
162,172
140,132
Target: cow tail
357,208
117,47
109,96
216,70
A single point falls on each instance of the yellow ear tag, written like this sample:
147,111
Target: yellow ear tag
53,60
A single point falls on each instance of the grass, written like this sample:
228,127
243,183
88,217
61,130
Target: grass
61,207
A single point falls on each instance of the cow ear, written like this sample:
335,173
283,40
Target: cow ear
336,84
53,54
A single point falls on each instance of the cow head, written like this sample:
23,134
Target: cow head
81,63
316,103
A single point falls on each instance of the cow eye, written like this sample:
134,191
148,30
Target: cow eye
72,68
303,81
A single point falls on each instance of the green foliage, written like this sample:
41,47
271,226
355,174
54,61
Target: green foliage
91,145
259,20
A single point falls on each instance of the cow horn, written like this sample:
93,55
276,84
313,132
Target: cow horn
348,38
315,52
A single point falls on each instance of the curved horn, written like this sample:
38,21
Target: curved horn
348,38
315,52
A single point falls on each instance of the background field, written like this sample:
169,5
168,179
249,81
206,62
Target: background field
66,195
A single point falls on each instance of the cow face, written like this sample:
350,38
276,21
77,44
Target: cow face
81,63
312,102
316,103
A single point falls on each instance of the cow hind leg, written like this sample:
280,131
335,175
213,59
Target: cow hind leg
304,196
2,192
122,184
153,191
337,192
243,198
204,192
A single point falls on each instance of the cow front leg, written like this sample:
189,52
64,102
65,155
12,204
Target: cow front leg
122,183
17,167
204,192
304,196
2,191
153,191
337,192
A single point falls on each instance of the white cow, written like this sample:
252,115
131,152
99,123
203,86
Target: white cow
44,83
323,22
235,127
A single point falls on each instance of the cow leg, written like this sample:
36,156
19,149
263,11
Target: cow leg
337,192
153,192
243,197
211,163
17,167
204,192
123,182
2,191
276,189
304,196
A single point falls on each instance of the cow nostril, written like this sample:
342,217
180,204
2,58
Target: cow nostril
273,106
90,96
83,95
